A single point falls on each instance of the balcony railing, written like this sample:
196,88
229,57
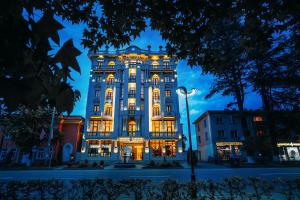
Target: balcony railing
131,134
131,112
98,134
227,139
131,95
132,79
158,134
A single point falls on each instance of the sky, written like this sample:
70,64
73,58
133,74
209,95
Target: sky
187,76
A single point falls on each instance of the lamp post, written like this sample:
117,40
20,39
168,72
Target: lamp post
183,91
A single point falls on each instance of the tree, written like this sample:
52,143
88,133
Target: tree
25,126
31,74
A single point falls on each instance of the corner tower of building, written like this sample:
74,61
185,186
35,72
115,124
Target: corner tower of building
132,107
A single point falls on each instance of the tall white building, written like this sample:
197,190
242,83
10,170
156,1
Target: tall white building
132,107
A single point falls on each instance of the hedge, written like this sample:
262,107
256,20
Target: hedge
227,189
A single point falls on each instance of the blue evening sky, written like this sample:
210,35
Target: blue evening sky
187,76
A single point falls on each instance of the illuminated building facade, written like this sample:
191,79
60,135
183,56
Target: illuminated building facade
132,107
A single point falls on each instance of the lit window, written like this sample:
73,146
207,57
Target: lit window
168,108
156,94
257,119
96,108
168,93
155,79
94,126
156,110
110,79
131,126
100,64
108,110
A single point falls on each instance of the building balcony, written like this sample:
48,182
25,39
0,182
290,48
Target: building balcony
108,100
164,135
132,79
98,134
131,112
162,67
131,134
131,95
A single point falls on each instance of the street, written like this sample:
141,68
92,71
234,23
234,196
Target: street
153,174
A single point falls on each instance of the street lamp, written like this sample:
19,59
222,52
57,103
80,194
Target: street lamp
183,91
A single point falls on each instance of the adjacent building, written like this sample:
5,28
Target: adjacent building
65,145
219,135
132,107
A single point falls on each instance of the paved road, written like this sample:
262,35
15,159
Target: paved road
153,174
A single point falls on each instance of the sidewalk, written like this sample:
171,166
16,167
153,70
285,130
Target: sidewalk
203,165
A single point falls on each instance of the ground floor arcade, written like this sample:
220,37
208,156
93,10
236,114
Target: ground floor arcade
136,149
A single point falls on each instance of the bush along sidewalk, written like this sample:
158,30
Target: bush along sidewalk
227,189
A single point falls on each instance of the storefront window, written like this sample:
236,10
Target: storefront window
170,148
156,146
105,148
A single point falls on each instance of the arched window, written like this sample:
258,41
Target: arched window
155,79
155,64
110,79
156,110
111,64
131,126
109,94
108,110
156,94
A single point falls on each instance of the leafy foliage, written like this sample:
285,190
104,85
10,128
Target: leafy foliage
29,74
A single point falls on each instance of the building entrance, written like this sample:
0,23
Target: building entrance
131,151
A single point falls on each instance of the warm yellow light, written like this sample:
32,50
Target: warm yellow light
116,150
154,57
132,71
179,149
155,63
131,85
164,150
100,56
228,143
111,63
283,144
180,137
131,101
147,150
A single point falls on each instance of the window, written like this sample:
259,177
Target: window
131,126
206,136
167,64
121,105
107,125
220,133
100,64
219,120
199,139
110,79
234,134
168,108
155,79
167,79
131,108
257,119
109,94
142,104
169,125
156,147
96,108
156,94
259,132
108,110
94,126
142,92
142,76
204,123
198,127
156,110
234,119
98,79
105,148
168,93
156,126
170,148
97,93
40,154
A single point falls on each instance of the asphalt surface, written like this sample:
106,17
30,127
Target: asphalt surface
181,175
